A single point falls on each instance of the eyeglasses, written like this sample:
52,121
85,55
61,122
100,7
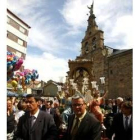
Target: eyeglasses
77,105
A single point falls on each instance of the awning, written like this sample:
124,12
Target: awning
11,94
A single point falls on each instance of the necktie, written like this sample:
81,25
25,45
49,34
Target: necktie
126,123
75,129
32,121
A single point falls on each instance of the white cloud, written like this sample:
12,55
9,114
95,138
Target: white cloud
74,13
44,39
48,66
23,6
123,27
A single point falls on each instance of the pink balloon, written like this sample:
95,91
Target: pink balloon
20,73
26,71
18,64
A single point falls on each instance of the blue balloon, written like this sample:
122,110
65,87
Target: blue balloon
9,53
8,63
13,62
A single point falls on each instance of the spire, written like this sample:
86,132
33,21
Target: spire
91,20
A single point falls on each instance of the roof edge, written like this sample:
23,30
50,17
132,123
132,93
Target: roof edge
18,18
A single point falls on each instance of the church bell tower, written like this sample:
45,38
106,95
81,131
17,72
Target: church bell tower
90,64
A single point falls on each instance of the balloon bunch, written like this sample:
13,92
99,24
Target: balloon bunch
27,76
13,64
35,75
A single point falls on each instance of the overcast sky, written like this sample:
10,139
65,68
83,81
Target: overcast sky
58,27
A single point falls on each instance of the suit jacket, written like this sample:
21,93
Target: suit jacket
10,122
119,130
114,109
56,117
52,110
89,129
44,128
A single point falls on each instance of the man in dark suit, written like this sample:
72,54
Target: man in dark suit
48,108
53,111
122,123
35,124
82,125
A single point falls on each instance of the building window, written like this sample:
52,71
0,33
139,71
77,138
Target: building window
8,20
18,54
111,72
20,42
86,47
89,33
94,43
121,80
22,29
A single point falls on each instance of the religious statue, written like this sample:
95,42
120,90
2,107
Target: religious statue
91,9
88,97
85,80
82,80
85,88
79,78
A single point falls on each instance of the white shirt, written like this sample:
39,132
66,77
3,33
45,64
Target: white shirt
35,115
48,110
18,114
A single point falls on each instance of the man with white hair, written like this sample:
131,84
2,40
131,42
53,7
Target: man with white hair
117,107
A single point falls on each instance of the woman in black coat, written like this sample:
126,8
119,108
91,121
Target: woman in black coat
10,120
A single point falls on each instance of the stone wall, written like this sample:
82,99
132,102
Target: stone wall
120,75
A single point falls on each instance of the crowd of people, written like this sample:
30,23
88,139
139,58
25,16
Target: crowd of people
73,118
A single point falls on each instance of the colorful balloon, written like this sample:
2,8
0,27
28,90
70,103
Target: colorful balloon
14,83
13,63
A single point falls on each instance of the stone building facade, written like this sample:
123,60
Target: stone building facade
97,60
120,74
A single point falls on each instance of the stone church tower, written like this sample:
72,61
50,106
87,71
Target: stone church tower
95,63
